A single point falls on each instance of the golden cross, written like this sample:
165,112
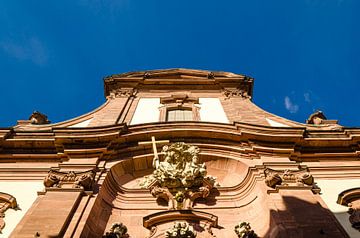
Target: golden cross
153,142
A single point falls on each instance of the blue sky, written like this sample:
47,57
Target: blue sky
303,54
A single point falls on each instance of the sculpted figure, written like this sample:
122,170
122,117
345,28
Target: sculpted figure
180,167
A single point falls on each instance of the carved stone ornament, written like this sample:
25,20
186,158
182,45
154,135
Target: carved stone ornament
351,198
117,230
316,118
37,118
243,230
124,92
180,168
58,179
6,201
354,211
179,178
302,177
180,230
235,92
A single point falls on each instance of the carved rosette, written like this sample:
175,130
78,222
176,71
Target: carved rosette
72,179
117,230
180,230
243,230
275,178
6,201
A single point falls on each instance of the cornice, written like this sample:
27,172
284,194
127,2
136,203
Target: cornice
295,142
232,84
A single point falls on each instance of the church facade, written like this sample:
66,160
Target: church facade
179,153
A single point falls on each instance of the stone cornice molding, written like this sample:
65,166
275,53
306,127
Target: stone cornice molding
175,215
297,143
162,79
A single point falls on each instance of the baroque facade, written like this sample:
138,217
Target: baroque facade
179,153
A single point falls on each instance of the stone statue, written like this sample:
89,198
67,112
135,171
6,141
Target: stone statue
180,167
38,118
179,178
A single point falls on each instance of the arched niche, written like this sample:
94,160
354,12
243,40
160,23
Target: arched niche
121,199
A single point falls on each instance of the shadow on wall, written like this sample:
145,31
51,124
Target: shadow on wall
343,217
302,219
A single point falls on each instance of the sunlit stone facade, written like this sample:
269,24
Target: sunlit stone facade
179,153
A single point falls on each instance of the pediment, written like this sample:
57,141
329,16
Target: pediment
160,79
178,73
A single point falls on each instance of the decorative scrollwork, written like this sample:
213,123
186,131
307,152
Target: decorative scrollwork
77,180
290,178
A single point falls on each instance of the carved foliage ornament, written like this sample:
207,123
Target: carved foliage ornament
6,201
58,179
117,230
180,230
243,230
290,178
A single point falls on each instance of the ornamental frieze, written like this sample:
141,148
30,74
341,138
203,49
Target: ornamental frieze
70,179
